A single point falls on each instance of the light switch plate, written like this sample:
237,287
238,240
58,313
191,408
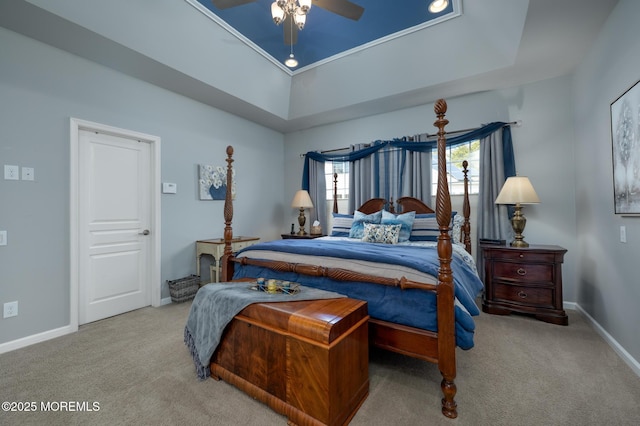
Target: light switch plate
11,172
3,238
169,188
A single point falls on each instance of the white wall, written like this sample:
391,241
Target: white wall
543,148
40,89
608,285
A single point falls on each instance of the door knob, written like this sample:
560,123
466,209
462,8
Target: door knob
145,232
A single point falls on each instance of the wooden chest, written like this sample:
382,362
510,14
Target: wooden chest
307,360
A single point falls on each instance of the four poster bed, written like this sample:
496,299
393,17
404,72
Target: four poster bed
421,297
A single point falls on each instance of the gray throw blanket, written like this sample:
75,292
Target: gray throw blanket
214,307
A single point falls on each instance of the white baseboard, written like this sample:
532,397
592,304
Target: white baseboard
622,353
48,335
35,338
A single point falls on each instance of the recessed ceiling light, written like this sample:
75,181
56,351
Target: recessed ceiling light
438,6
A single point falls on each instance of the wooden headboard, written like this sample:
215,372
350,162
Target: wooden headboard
408,204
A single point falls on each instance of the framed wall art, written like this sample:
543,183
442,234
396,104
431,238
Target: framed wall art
625,137
212,181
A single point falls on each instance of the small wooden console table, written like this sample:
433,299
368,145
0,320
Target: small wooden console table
215,248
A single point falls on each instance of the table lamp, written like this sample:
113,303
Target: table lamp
302,201
518,190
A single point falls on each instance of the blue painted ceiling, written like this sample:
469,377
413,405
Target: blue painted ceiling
326,34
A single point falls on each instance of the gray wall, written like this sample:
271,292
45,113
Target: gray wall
40,89
608,286
564,146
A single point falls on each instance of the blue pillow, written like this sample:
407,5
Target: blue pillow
425,227
341,225
359,219
405,220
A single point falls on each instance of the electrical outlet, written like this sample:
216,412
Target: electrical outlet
10,309
28,173
11,172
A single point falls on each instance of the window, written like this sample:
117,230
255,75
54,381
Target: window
469,151
342,169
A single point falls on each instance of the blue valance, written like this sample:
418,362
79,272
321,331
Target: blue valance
479,133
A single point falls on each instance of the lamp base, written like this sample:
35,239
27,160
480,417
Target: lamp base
519,243
518,222
301,221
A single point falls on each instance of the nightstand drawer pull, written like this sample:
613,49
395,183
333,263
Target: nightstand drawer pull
521,271
522,294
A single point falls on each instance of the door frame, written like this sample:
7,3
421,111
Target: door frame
74,233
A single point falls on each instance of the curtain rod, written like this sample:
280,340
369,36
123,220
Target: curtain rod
516,123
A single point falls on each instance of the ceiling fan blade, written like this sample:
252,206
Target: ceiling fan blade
225,4
290,30
341,7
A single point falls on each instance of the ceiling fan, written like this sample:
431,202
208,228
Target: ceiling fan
343,8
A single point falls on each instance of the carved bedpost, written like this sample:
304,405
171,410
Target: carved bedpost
445,294
227,266
466,209
335,193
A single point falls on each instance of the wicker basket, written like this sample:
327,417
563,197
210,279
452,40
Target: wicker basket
184,289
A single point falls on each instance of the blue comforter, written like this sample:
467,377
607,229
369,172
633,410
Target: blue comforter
412,307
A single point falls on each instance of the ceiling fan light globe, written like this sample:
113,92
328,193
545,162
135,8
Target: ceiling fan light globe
300,19
305,5
277,13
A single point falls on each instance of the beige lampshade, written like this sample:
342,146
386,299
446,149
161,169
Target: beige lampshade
517,190
302,200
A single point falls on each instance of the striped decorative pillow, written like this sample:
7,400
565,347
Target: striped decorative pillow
341,225
425,227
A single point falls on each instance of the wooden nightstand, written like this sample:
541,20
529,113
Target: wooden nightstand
301,237
526,280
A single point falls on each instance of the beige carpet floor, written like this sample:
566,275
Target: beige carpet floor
137,369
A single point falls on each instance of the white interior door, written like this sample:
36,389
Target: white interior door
114,190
